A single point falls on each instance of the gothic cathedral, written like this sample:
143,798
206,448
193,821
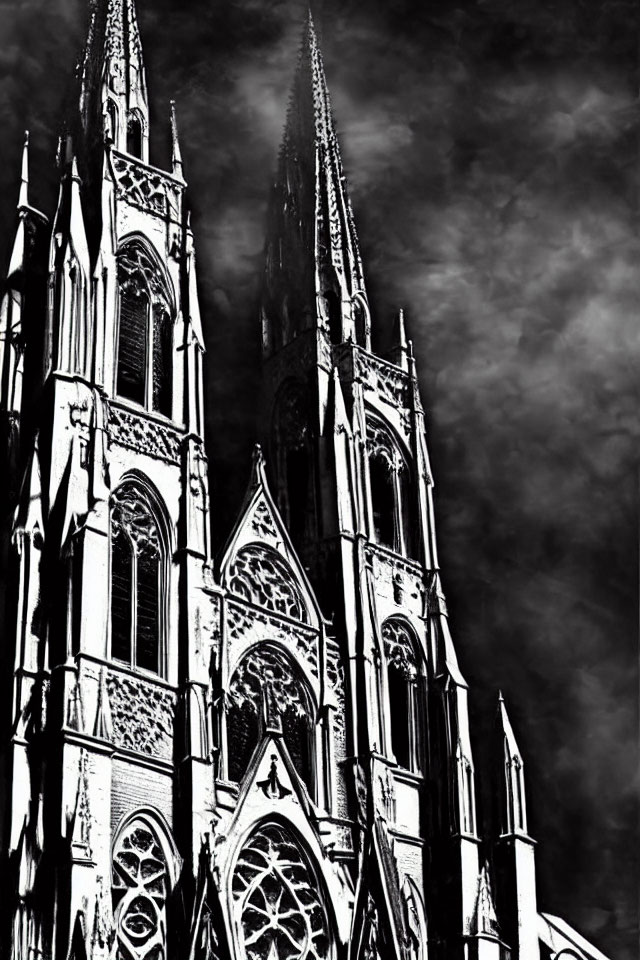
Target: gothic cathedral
264,755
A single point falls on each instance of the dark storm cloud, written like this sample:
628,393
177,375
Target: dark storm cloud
491,151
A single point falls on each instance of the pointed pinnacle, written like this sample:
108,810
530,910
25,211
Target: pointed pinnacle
176,155
400,332
74,170
23,198
257,465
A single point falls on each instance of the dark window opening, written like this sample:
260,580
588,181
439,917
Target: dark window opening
400,706
134,137
360,322
383,501
243,732
147,602
334,311
121,594
162,357
136,582
132,344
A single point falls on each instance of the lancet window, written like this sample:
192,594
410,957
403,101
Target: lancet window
267,692
137,580
295,472
140,886
391,491
258,575
405,693
278,900
145,332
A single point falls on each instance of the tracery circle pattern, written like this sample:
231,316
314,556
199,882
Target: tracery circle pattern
131,515
259,576
139,894
278,901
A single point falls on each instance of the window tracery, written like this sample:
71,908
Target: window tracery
259,576
266,687
404,693
140,887
145,331
278,900
391,490
136,587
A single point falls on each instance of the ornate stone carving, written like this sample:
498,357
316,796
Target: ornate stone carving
241,622
262,522
142,715
145,187
140,880
278,900
259,576
131,516
399,648
139,433
386,380
267,671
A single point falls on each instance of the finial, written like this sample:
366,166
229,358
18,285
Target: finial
399,349
412,361
176,156
23,198
74,170
500,697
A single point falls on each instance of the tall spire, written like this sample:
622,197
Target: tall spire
113,90
312,246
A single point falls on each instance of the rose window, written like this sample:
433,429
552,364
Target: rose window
259,576
139,894
278,900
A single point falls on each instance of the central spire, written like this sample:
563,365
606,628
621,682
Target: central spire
113,90
314,276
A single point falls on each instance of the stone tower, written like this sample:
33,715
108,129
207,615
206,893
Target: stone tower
269,757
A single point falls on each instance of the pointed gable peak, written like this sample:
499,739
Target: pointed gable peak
486,921
23,199
511,749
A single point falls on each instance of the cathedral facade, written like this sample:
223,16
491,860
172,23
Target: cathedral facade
263,755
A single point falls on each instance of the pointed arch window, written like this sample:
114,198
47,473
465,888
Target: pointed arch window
267,692
278,899
405,691
134,136
145,332
391,488
296,487
141,882
137,580
360,319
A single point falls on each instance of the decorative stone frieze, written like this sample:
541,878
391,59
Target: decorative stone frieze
144,435
142,715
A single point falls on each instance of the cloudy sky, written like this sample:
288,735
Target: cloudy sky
491,152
